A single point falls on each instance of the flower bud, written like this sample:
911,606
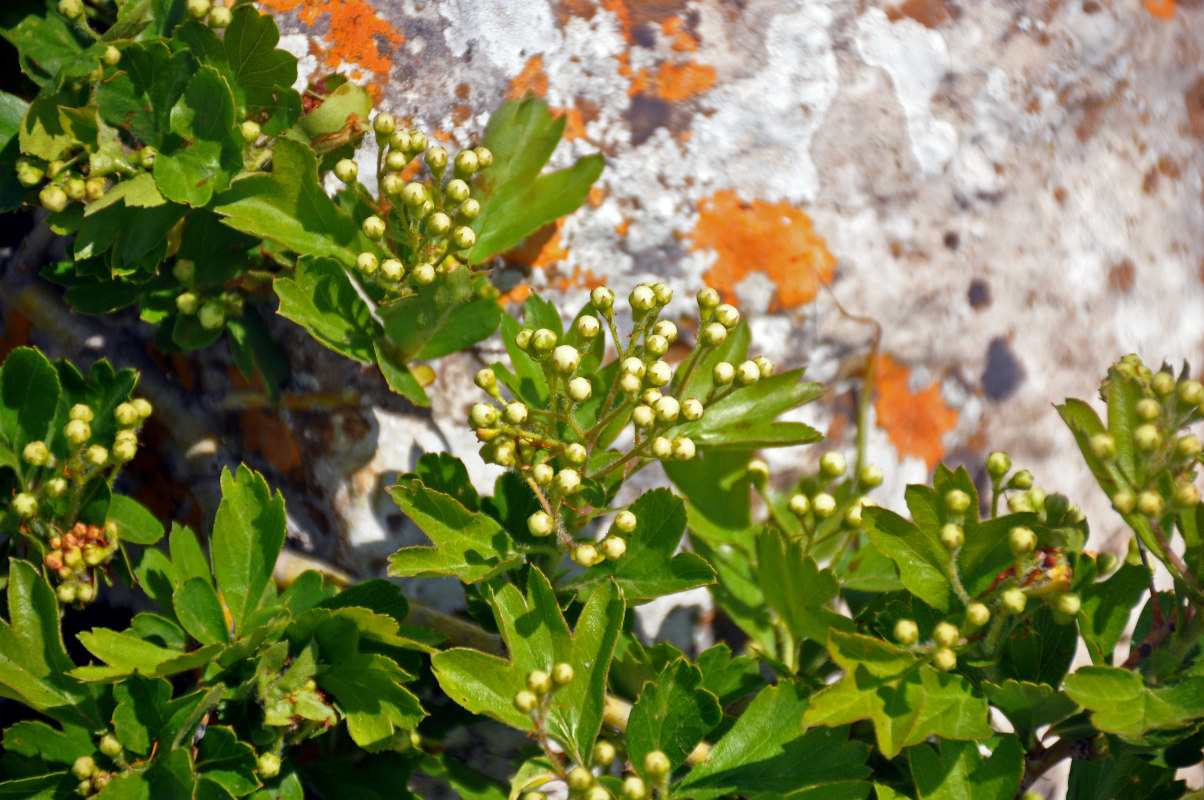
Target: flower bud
723,373
824,505
1022,540
661,448
580,389
1147,438
657,764
944,659
94,188
1148,409
629,384
393,184
691,409
482,415
667,409
220,17
25,505
464,237
602,299
613,547
587,326
708,299
1124,501
625,521
457,190
1187,496
832,464
374,228
642,300
906,632
683,448
656,346
76,189
1014,601
1191,392
543,340
423,275
436,159
542,474
977,615
539,682
523,339
438,224
1107,563
634,788
659,374
36,454
1163,383
1150,504
713,334
1067,604
110,745
395,162
765,365
1021,480
957,501
418,140
727,315
124,451
747,373
604,754
1188,446
56,487
77,431
484,156
1103,446
83,767
384,124
71,9
566,359
662,293
576,453
633,366
516,413
568,481
952,537
486,379
197,9
413,195
367,263
945,634
585,555
579,779
562,673
96,455
80,412
799,504
392,270
667,329
466,164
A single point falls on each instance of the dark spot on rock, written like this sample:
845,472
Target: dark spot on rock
1091,7
1003,373
644,36
1120,277
462,91
1060,194
1195,106
1150,182
952,240
645,114
979,294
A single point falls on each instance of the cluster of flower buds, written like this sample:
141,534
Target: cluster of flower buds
53,486
93,778
211,308
541,686
583,784
552,449
216,15
420,226
816,502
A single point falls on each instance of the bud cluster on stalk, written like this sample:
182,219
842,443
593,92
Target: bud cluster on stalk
832,498
421,225
55,480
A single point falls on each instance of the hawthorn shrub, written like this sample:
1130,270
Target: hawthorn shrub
921,656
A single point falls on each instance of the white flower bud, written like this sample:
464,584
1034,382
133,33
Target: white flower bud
25,505
346,170
799,504
585,555
649,396
659,373
392,270
727,316
625,521
667,409
516,413
643,416
457,190
96,455
723,373
580,389
367,263
683,448
661,448
613,547
691,409
667,329
423,275
438,224
629,384
662,292
36,454
373,227
824,505
602,299
80,412
748,373
708,299
568,481
642,299
77,431
482,415
633,366
539,524
543,340
832,464
713,334
542,474
576,453
565,359
587,326
656,346
765,365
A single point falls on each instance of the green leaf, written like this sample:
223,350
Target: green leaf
127,654
649,569
445,473
672,714
769,750
715,484
255,352
29,392
1028,706
33,661
12,111
398,375
537,637
465,781
42,135
135,524
1042,654
518,200
918,553
260,74
1129,777
320,297
142,93
200,612
187,558
289,207
1121,703
955,770
52,786
468,545
248,533
335,128
1105,609
905,704
208,150
796,589
45,44
34,738
527,382
746,418
222,758
726,677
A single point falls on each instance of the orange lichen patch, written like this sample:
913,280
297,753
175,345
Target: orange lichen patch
17,328
634,14
680,81
596,195
579,279
680,38
1163,9
355,33
916,422
265,433
774,238
622,227
574,124
929,13
532,80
